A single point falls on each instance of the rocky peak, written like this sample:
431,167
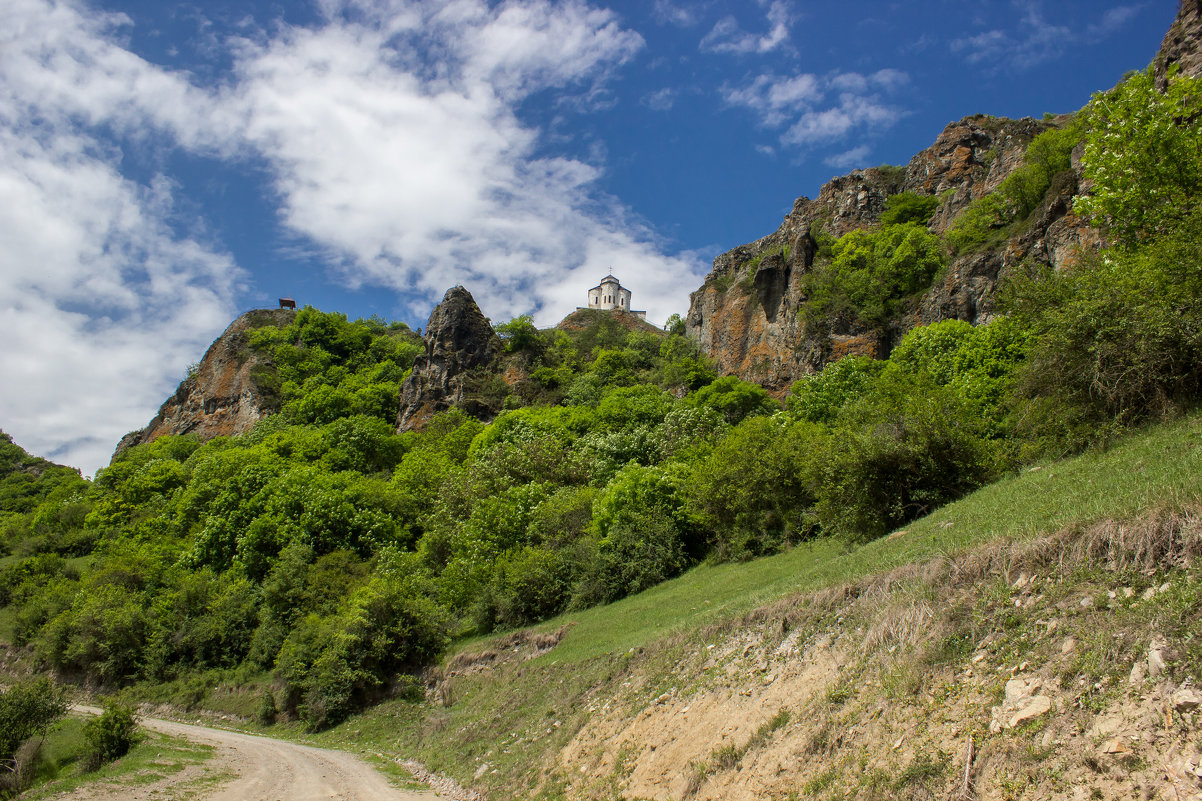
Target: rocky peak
1182,45
219,397
746,315
459,340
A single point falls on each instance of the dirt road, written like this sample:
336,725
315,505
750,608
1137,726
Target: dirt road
272,770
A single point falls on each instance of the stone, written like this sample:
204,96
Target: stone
1022,703
1156,664
1116,746
1030,709
1137,674
1182,45
1186,699
745,316
219,398
459,340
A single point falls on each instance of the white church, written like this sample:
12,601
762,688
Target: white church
610,295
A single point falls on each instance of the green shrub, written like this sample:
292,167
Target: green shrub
1118,337
528,585
820,397
28,709
898,457
735,399
110,734
908,207
643,534
267,711
871,273
989,219
976,362
752,492
329,665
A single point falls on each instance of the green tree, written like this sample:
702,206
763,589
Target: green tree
871,272
735,399
643,533
753,491
1143,154
897,455
1118,338
520,336
820,397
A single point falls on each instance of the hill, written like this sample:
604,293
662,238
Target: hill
703,589
1036,649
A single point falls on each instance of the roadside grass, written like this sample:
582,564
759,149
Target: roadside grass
398,776
156,756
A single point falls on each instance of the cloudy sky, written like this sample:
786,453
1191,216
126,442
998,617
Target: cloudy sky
167,165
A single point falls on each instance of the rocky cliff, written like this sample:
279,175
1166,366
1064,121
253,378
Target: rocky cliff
1182,45
747,314
461,346
219,397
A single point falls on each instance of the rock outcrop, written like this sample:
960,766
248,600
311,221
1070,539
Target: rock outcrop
461,346
219,397
747,314
1182,45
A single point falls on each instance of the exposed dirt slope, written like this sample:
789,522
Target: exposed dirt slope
1060,668
1064,667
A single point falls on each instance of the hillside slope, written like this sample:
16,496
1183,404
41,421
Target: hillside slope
1042,649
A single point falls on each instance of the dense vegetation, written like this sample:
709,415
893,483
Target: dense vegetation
339,555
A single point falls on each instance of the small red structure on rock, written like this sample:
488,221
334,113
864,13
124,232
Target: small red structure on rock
287,303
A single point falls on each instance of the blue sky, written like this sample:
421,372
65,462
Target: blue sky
166,165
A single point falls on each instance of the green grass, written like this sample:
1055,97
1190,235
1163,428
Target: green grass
506,717
1159,467
397,776
155,757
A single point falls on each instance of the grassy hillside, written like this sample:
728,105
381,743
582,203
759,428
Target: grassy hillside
519,702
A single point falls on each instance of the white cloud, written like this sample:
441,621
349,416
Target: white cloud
858,113
102,302
418,180
817,110
680,15
391,137
1034,40
727,37
660,100
1113,21
849,158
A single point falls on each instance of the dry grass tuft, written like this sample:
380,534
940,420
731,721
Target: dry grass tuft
903,623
